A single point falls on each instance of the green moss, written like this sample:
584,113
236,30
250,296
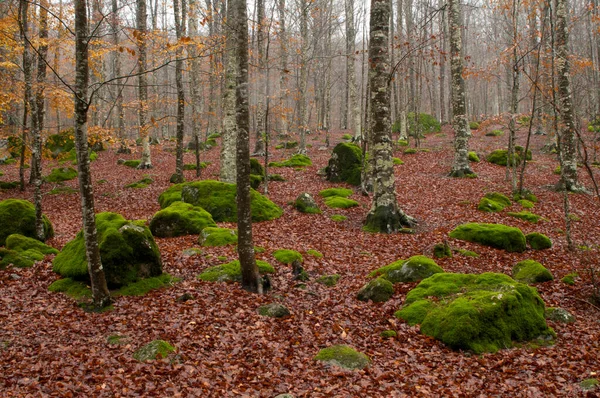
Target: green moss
589,384
345,164
180,219
8,185
530,271
341,192
60,143
525,215
377,290
10,161
144,286
424,123
157,349
493,202
17,259
276,177
116,339
62,190
338,218
273,310
132,163
72,288
231,272
468,253
192,166
143,183
500,156
495,235
21,243
410,151
402,143
18,217
328,280
286,256
259,249
414,269
127,249
61,174
215,236
314,253
337,202
214,136
481,313
473,125
527,195
526,204
397,161
219,199
222,258
347,137
297,160
192,251
473,157
569,279
495,133
538,241
343,356
442,250
559,315
305,203
388,334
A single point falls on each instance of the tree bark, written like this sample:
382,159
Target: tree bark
283,75
353,104
144,128
180,24
195,80
118,86
303,84
228,144
259,146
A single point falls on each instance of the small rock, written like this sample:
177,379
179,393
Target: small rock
274,310
15,277
185,297
559,315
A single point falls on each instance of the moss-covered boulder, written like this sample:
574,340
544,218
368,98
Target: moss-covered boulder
500,156
305,203
157,349
341,192
231,272
61,174
538,241
219,199
493,202
180,219
287,256
19,259
481,313
499,236
559,315
18,217
328,280
215,236
273,310
473,157
377,290
345,164
442,250
526,216
530,271
297,160
141,184
60,143
337,202
414,269
127,249
22,243
344,357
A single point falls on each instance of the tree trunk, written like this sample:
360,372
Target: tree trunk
118,87
353,104
28,82
283,77
460,122
385,215
179,32
443,30
100,293
144,128
228,144
259,146
514,99
303,84
250,276
195,80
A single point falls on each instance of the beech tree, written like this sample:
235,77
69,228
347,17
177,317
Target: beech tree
144,129
385,214
180,24
228,144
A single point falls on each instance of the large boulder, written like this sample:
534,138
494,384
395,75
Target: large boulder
538,241
345,164
127,250
219,199
499,236
530,271
481,313
180,219
414,269
18,217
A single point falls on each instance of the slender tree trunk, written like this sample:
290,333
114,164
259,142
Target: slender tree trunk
118,87
303,84
100,293
180,24
28,90
460,122
283,76
514,99
353,104
259,146
443,30
250,277
210,15
195,80
385,215
228,144
144,128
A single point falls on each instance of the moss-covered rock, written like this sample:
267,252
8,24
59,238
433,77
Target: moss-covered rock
127,250
559,315
22,243
345,164
414,269
499,236
157,349
287,256
219,199
388,334
473,157
526,216
231,272
341,192
132,163
493,202
526,204
538,241
442,250
482,313
397,161
61,174
314,253
18,217
337,202
180,219
530,271
590,384
273,310
9,185
19,259
72,288
140,184
328,280
78,290
500,156
377,290
215,236
338,218
305,203
343,356
569,279
60,143
297,160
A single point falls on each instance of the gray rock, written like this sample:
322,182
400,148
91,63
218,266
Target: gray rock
274,310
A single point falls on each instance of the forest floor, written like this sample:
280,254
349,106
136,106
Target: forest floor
51,347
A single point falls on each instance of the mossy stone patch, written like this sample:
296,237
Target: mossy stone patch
78,290
72,288
526,204
481,313
305,203
538,241
132,163
297,160
328,280
442,250
231,272
22,243
127,250
473,157
140,184
589,384
180,219
215,236
338,218
569,279
337,202
341,192
388,334
287,256
526,216
273,310
499,236
18,217
414,269
19,259
377,290
345,164
500,156
343,356
314,253
559,315
8,185
157,349
530,271
493,202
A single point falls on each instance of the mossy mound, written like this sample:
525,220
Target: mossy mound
61,174
590,384
493,202
442,250
22,243
397,161
297,160
287,256
338,218
143,183
132,163
215,236
180,219
231,272
559,315
256,167
530,271
219,199
526,204
314,253
305,203
343,356
473,157
18,217
19,259
341,192
127,250
9,185
538,241
157,349
62,191
414,269
78,290
526,216
193,166
72,288
273,310
481,313
388,334
499,236
569,279
328,280
377,290
337,202
345,164
500,156
60,143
